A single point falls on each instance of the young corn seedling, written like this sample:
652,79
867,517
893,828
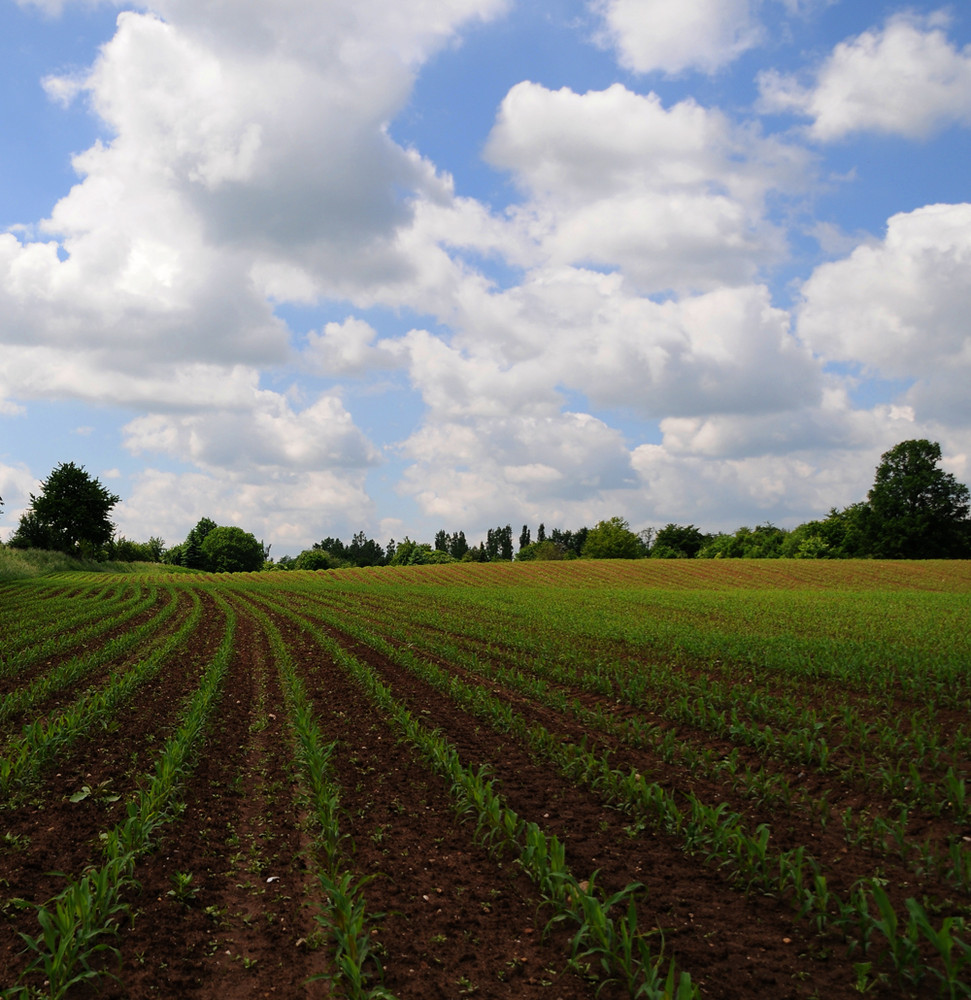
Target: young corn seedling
73,927
346,921
903,939
182,890
954,954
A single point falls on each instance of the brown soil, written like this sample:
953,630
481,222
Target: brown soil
450,919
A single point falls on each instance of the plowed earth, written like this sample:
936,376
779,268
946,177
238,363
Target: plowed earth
449,918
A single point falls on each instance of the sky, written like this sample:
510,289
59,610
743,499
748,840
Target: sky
397,266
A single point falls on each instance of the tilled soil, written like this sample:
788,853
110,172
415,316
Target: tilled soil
449,918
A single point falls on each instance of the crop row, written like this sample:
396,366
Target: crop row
622,952
722,837
685,742
76,923
919,767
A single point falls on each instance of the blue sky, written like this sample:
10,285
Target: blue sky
399,266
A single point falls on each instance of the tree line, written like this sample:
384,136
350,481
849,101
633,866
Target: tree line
914,510
72,514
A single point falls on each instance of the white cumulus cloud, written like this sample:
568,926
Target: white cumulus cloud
899,308
675,197
672,37
905,79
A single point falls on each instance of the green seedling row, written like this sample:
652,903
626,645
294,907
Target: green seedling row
856,675
720,835
68,625
142,638
78,924
357,970
857,746
622,952
43,739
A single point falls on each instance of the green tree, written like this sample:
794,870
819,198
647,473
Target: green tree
764,541
678,541
316,559
505,543
125,550
409,553
174,556
840,535
499,543
917,510
232,550
458,545
71,514
571,542
192,554
612,539
543,551
336,548
364,551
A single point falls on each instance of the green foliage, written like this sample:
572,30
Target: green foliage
571,542
409,553
498,544
917,510
677,541
125,550
232,550
335,548
455,545
175,555
613,539
191,554
362,551
762,542
315,559
70,515
540,552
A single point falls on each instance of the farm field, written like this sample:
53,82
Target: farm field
722,779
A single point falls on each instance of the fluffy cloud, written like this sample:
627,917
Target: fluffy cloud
899,308
290,510
674,197
486,469
691,34
246,159
726,351
16,484
496,436
267,435
348,348
48,373
247,164
905,79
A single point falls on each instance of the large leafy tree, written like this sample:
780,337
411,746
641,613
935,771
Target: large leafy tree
678,541
71,514
612,539
232,550
917,510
